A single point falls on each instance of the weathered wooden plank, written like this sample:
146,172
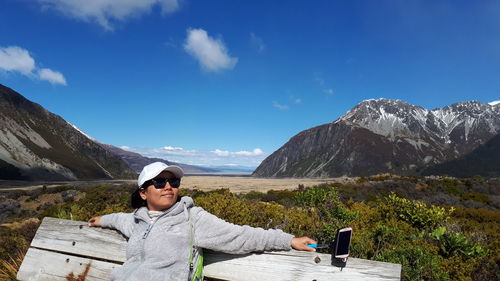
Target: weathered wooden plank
294,265
40,265
44,265
76,237
59,235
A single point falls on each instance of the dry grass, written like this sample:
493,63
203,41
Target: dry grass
10,266
247,184
206,183
39,201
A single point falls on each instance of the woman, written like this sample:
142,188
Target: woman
165,231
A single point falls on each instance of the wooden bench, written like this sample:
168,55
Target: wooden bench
62,247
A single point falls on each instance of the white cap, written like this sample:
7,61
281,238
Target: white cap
152,170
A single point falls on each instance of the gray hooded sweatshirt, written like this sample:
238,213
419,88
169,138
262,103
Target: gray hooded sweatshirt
159,250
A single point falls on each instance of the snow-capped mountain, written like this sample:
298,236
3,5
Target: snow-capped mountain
385,135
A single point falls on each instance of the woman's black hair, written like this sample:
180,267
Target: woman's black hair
136,200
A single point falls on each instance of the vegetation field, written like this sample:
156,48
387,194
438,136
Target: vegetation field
438,228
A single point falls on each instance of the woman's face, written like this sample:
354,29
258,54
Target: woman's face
160,199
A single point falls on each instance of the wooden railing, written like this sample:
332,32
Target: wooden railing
61,247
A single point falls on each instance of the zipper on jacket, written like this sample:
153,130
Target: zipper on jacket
146,233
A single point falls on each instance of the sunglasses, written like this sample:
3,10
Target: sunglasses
160,183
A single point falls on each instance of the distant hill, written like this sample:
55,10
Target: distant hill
137,161
385,136
482,161
36,144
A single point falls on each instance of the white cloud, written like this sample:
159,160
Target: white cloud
280,106
216,157
297,101
257,42
255,152
172,148
221,152
54,77
328,91
169,6
107,12
16,59
211,53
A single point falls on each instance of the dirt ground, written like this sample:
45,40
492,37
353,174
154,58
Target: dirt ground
236,184
247,184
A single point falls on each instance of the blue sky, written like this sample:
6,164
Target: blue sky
229,82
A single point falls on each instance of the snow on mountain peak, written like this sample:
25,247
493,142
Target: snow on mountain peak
391,118
78,129
387,117
493,103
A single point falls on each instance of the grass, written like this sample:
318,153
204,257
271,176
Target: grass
10,266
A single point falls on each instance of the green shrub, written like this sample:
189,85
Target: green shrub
241,211
332,215
416,213
476,196
455,244
99,200
452,186
418,261
283,197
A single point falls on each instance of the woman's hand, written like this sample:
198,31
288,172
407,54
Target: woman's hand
300,243
95,221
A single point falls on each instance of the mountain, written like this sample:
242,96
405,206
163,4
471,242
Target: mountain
38,145
385,136
137,161
484,160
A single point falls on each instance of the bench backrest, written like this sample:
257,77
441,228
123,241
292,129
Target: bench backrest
61,247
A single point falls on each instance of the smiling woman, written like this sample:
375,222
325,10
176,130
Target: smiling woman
161,192
166,232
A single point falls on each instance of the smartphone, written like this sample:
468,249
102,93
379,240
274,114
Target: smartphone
342,243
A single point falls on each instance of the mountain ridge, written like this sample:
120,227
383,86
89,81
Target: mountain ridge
36,144
384,135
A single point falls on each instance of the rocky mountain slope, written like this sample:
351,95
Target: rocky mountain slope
137,161
380,136
484,160
38,145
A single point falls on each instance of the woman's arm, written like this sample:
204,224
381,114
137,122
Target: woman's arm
214,233
123,222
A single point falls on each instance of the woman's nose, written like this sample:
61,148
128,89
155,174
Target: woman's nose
167,186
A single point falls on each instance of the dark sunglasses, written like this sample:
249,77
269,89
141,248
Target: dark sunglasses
160,183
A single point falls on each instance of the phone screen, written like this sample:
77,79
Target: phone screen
344,240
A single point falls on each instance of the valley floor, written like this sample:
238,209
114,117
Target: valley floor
236,184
